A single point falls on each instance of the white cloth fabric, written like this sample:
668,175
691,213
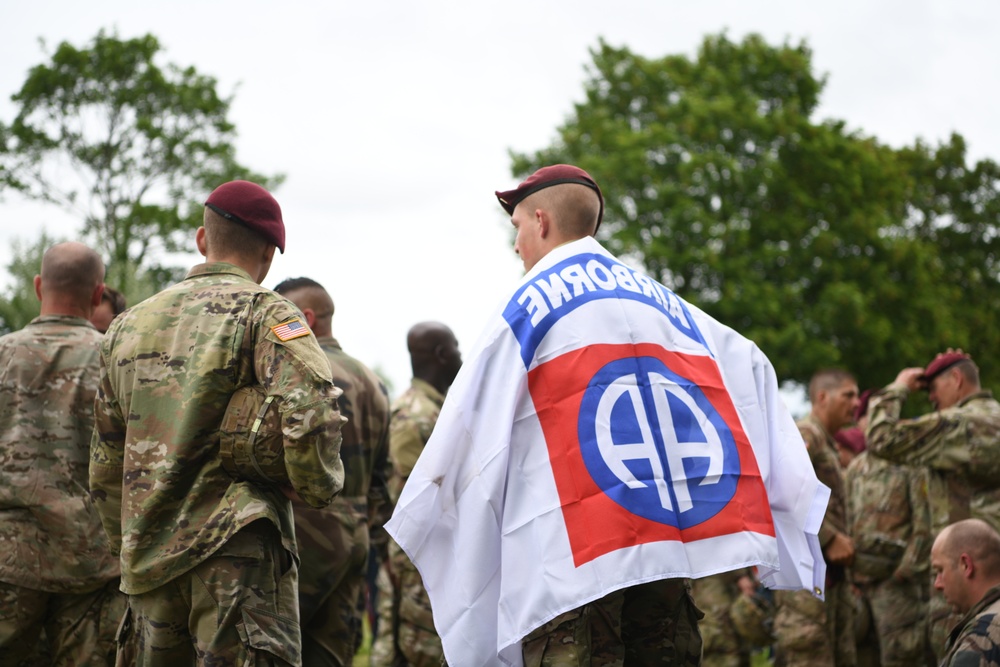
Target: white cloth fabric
602,433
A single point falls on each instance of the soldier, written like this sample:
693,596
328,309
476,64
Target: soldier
333,541
112,305
715,595
966,563
809,631
57,572
889,518
957,443
406,627
207,545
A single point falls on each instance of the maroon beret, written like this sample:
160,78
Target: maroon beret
851,438
941,363
251,206
555,174
862,408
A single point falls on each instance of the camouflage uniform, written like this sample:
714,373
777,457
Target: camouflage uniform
959,445
406,633
975,641
57,572
333,541
889,517
186,530
648,624
715,596
809,631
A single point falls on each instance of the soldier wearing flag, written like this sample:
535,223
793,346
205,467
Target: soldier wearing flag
206,540
601,445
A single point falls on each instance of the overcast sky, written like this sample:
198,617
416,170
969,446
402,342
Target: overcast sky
392,121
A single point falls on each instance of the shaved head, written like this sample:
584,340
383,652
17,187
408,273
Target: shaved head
71,271
976,538
307,294
434,354
574,208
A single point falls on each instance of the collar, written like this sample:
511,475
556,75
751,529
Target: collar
215,268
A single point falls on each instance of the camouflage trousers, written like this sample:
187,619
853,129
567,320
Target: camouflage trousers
899,615
333,548
649,624
406,634
723,647
39,628
238,607
810,632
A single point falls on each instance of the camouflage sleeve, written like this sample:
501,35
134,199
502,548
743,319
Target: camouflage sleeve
379,503
920,441
980,647
297,372
107,455
814,444
916,558
406,441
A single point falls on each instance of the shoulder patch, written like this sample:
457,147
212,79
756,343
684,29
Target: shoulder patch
294,328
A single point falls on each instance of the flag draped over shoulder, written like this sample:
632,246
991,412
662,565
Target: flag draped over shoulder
601,434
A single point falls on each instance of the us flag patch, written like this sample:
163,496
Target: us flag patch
290,329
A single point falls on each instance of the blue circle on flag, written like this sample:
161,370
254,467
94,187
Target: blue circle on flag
655,445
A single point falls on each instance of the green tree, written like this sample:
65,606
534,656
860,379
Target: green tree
819,243
124,143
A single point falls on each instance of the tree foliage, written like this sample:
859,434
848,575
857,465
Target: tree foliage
126,144
823,245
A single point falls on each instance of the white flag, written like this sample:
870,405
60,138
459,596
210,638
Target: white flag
601,434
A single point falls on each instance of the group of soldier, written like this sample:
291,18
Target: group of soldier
143,522
116,546
909,536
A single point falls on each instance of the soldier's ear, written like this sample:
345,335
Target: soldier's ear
38,287
95,298
199,240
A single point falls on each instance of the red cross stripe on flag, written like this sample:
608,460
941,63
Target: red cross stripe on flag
290,329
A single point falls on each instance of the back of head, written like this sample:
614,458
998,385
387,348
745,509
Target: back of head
307,294
115,299
241,218
434,355
579,220
70,273
575,209
226,239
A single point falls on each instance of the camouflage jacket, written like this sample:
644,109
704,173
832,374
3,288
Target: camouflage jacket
975,641
330,538
823,454
169,367
889,519
413,417
960,445
51,538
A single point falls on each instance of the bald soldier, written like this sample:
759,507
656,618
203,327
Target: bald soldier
333,541
57,573
406,628
206,534
965,559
